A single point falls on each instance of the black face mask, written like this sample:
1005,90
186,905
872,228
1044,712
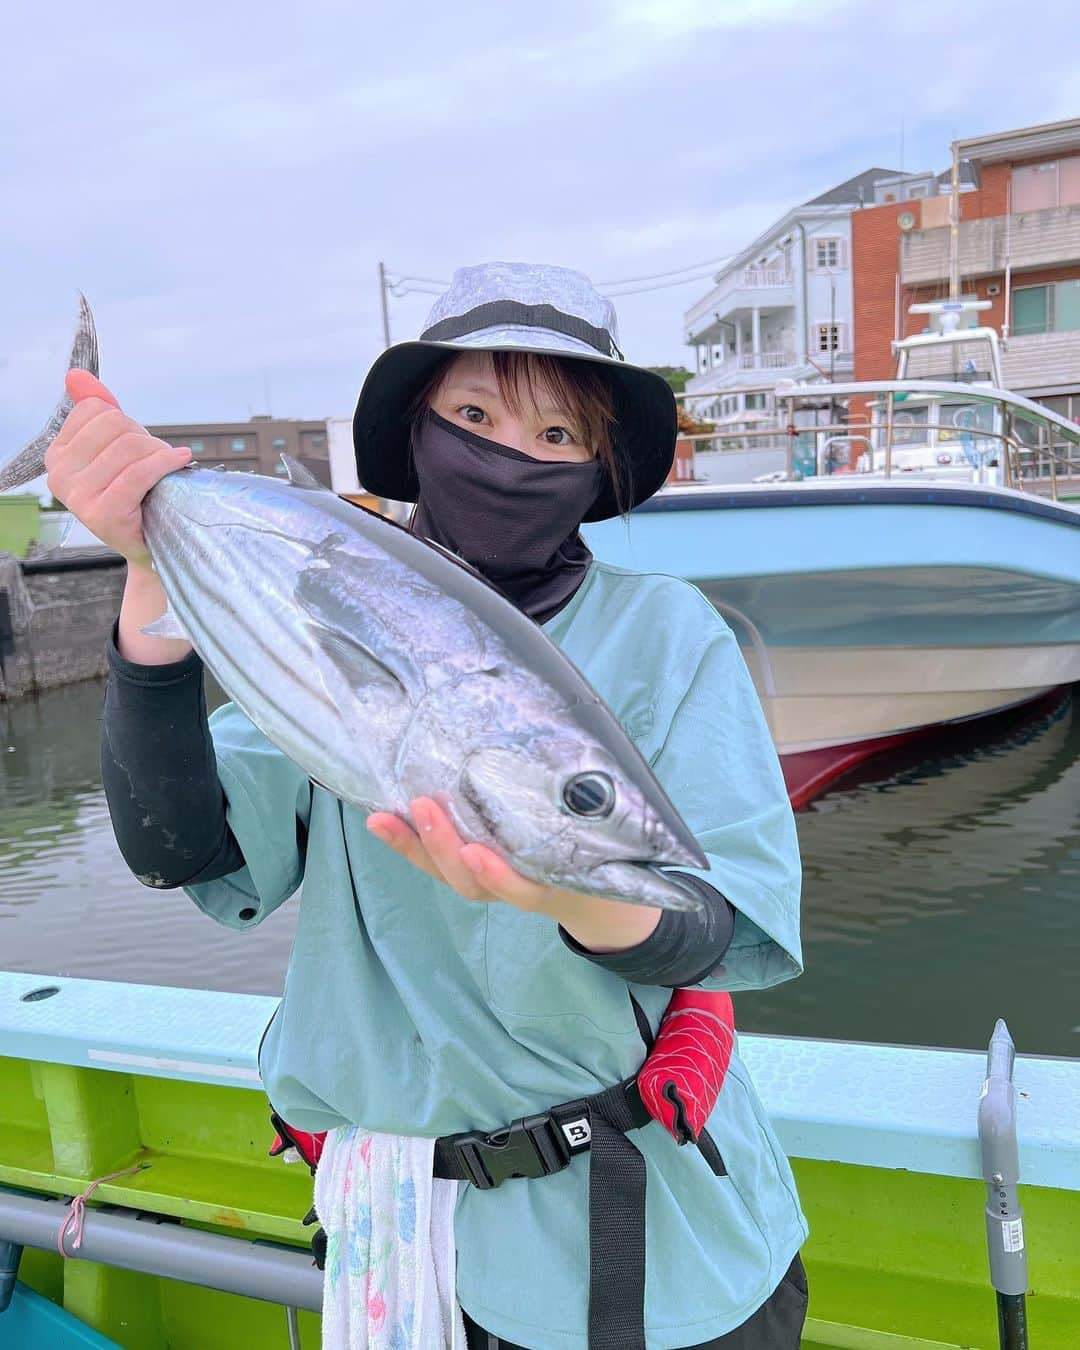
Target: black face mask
514,518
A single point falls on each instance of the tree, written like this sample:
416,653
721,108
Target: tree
676,376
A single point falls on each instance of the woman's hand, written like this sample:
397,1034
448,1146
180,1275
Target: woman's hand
477,872
103,463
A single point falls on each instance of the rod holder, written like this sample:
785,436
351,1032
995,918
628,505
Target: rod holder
1001,1167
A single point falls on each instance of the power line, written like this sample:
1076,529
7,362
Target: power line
661,285
655,276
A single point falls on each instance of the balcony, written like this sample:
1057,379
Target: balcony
1033,239
754,369
1042,361
747,288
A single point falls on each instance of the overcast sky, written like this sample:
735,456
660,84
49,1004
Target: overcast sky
222,180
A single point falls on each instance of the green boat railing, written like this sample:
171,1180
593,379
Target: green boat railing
98,1077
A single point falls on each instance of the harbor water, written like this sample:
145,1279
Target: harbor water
940,887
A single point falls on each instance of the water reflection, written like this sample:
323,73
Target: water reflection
939,894
68,904
940,889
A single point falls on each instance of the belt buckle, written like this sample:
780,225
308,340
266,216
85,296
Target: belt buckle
531,1147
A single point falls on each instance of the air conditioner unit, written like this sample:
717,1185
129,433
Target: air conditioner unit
994,288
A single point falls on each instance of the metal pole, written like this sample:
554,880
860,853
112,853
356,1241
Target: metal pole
155,1245
1001,1172
382,303
10,1255
954,226
888,433
792,433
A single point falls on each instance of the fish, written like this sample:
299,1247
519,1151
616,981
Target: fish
388,669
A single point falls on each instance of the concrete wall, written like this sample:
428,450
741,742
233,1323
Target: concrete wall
61,614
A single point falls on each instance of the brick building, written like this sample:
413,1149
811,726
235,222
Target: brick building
1018,248
256,445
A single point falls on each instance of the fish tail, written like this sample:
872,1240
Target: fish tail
29,462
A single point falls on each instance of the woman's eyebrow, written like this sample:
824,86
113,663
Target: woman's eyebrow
489,391
469,388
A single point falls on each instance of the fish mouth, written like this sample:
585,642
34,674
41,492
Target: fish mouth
642,883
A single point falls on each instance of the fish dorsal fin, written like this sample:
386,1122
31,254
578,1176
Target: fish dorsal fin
454,557
301,477
168,626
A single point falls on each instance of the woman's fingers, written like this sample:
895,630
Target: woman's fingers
113,465
475,871
434,846
444,845
80,384
496,875
403,839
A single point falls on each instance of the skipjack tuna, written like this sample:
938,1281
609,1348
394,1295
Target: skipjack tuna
388,670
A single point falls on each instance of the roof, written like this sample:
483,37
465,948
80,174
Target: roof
854,191
1049,139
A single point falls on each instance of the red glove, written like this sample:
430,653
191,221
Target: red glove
308,1146
684,1072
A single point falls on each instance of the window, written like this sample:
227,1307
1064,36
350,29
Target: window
239,444
918,191
826,252
828,337
197,447
1039,187
280,469
278,442
1047,309
755,402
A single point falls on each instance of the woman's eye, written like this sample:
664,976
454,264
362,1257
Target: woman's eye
471,412
558,436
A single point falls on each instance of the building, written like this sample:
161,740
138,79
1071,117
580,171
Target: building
1018,248
256,445
781,308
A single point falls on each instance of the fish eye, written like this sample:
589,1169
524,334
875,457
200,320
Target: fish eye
590,794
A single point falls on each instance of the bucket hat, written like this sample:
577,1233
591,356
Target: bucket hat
516,307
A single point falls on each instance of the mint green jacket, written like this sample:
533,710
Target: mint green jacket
409,1010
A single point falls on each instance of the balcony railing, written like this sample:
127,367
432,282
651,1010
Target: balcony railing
728,284
764,276
1027,239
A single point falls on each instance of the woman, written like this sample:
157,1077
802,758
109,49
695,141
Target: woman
434,995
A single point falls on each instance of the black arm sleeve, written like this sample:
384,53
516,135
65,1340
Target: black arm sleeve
685,947
160,774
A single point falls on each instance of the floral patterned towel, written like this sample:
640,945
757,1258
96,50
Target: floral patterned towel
390,1259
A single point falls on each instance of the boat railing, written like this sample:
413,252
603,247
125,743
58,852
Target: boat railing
1033,448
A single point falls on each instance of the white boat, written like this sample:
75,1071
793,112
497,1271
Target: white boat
880,592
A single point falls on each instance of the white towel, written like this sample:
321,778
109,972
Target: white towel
390,1260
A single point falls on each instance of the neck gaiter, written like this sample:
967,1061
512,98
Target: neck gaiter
514,518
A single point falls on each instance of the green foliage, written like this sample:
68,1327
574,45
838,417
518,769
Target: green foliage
676,376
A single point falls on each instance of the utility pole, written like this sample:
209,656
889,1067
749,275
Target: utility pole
382,304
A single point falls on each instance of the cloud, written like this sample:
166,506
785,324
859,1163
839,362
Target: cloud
222,180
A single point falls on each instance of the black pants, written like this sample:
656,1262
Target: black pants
777,1324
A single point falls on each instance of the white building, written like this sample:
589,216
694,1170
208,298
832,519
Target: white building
780,309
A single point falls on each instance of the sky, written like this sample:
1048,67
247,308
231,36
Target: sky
222,180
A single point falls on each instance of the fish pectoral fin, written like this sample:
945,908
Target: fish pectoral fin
168,626
362,664
339,605
301,477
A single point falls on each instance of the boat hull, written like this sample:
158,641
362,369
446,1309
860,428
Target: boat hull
99,1076
871,614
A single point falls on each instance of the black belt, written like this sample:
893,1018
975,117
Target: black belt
540,1145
